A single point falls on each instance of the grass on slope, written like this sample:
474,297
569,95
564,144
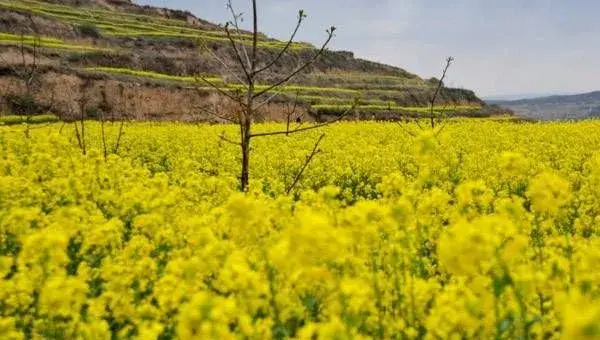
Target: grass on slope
37,119
150,74
122,24
323,103
366,81
305,91
187,79
338,109
14,39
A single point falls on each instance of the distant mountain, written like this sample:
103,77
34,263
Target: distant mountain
576,106
520,96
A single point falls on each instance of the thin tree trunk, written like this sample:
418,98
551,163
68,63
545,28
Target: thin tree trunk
103,136
83,146
251,67
119,135
245,176
246,138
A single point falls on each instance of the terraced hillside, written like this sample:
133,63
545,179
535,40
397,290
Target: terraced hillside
121,59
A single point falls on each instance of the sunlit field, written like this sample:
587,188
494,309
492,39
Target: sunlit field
483,229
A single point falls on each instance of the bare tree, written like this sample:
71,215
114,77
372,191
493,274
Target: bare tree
247,96
309,158
83,108
103,135
125,116
104,109
436,93
434,117
27,69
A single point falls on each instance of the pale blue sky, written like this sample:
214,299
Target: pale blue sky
502,47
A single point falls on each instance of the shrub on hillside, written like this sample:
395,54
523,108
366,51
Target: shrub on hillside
93,113
23,104
89,31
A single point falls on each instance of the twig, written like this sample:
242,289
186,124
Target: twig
301,17
119,137
406,130
330,35
449,61
248,93
237,53
216,115
290,113
236,17
263,134
102,131
266,101
219,60
255,32
225,139
78,135
309,158
216,87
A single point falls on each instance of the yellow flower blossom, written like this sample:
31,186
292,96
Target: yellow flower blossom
482,229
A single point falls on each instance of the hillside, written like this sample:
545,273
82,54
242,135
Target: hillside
556,107
120,59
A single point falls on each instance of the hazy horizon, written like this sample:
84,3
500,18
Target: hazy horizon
501,48
519,96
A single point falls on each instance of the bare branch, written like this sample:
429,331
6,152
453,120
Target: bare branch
290,113
21,73
119,136
103,133
216,114
78,135
440,84
266,101
275,133
411,133
254,35
121,131
330,34
246,96
440,130
36,45
301,17
309,158
236,18
23,49
415,119
445,123
442,114
225,139
220,61
83,101
404,118
10,66
216,87
237,54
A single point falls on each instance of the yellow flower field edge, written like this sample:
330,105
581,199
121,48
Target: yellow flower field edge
487,230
